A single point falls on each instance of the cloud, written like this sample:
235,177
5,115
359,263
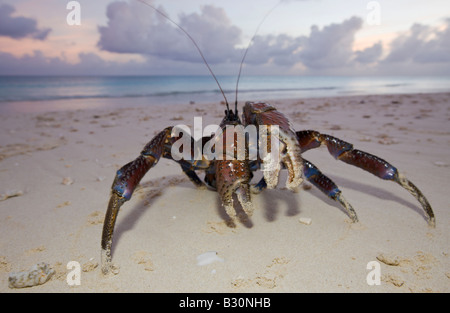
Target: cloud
279,50
37,63
421,44
134,28
329,47
370,55
332,46
404,47
28,64
19,27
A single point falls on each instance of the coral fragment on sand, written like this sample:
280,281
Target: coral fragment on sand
305,220
38,274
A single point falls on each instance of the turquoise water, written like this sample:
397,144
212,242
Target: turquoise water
202,89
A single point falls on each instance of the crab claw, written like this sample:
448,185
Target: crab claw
287,153
232,177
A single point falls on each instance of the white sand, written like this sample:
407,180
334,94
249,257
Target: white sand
168,222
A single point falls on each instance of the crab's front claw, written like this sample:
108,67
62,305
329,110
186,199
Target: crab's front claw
278,144
125,182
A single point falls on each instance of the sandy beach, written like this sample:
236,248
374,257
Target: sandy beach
57,167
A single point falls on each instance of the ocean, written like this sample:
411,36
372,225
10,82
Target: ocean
39,90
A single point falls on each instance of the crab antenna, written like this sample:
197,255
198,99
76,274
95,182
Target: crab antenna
246,50
195,44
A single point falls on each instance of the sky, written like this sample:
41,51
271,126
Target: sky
298,37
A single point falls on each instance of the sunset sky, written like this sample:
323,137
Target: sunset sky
300,37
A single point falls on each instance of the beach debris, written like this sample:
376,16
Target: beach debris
5,266
67,181
305,220
38,274
389,260
109,124
144,258
335,127
365,139
10,194
95,218
395,280
267,278
89,266
440,164
386,140
63,204
208,258
417,266
100,178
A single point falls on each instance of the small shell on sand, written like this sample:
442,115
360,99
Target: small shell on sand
100,178
67,181
38,274
305,220
208,258
10,194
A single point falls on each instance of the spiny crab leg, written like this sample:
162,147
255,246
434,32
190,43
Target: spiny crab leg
115,203
126,180
322,182
344,151
328,187
412,189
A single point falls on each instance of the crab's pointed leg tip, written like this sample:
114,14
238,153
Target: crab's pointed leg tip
110,269
432,222
354,218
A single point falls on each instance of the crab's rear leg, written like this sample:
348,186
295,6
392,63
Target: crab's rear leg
344,151
327,186
126,180
322,182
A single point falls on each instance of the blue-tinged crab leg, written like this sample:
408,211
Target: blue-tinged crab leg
189,168
126,180
322,182
327,186
344,151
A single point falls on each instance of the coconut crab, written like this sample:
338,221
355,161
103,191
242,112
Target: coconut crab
231,175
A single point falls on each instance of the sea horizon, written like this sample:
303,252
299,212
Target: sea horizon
177,89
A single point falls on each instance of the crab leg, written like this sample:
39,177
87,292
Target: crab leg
344,151
262,114
126,180
233,176
327,186
322,182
